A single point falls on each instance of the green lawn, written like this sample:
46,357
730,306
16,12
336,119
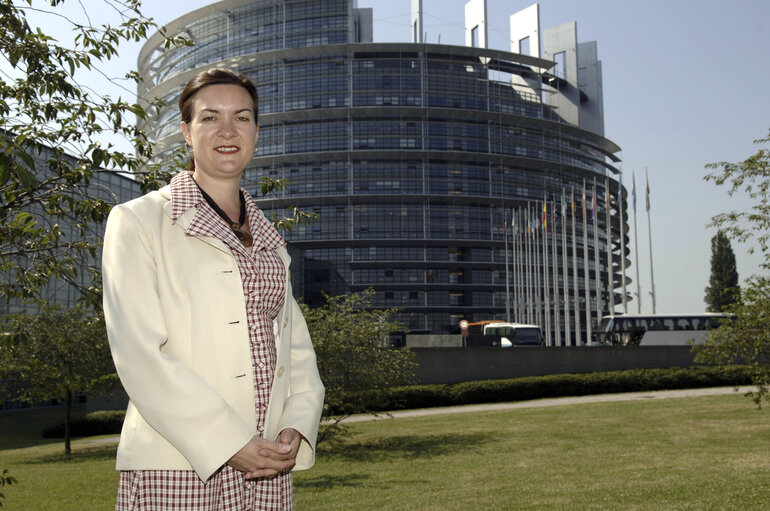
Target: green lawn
691,453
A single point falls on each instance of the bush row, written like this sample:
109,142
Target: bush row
561,385
492,391
105,422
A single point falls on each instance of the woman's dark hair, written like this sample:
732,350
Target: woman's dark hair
214,76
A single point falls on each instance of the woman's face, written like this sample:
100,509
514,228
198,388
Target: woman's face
222,131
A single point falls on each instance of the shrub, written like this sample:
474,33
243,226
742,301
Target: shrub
560,385
104,422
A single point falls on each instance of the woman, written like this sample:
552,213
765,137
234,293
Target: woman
212,349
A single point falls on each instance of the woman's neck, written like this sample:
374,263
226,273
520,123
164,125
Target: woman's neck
226,193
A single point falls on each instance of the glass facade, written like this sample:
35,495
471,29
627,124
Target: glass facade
416,158
107,185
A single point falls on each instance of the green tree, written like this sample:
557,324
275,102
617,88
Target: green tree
752,177
58,130
746,337
723,289
51,99
54,354
357,365
5,479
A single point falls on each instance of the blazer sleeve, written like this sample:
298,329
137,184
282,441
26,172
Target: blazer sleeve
302,410
170,397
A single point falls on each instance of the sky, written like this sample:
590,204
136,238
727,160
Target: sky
682,83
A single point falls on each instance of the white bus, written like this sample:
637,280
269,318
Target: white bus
515,334
657,329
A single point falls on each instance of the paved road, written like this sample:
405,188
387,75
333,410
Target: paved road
558,401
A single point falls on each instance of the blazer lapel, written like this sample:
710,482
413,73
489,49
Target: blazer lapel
185,222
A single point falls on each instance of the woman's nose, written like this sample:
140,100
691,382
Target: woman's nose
226,129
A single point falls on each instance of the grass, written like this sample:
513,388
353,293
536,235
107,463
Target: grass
693,453
690,453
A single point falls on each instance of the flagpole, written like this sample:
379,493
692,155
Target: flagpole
586,274
513,259
565,273
608,227
636,249
507,281
622,229
597,273
547,294
555,279
530,318
525,304
536,268
520,301
649,234
575,287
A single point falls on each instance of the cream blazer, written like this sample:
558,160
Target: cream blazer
176,322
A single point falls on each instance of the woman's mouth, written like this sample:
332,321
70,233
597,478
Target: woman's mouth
227,149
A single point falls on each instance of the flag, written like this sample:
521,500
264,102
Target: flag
574,205
647,186
554,214
545,218
607,193
584,201
563,209
593,214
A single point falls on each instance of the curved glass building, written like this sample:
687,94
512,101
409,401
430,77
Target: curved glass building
443,176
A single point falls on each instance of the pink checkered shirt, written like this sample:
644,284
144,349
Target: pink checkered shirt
263,277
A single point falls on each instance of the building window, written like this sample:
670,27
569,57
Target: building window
475,36
524,48
560,69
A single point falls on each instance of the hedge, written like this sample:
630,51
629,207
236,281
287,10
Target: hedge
105,422
562,385
492,391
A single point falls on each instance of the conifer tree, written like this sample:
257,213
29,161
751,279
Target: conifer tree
723,289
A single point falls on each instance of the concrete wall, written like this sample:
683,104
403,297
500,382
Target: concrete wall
434,341
526,23
454,365
563,39
476,16
363,25
590,83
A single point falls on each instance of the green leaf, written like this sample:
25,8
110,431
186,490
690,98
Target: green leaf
25,217
5,168
26,177
97,156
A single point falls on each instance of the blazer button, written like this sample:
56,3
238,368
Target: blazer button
280,372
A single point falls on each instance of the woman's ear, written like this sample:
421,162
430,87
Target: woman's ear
185,132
